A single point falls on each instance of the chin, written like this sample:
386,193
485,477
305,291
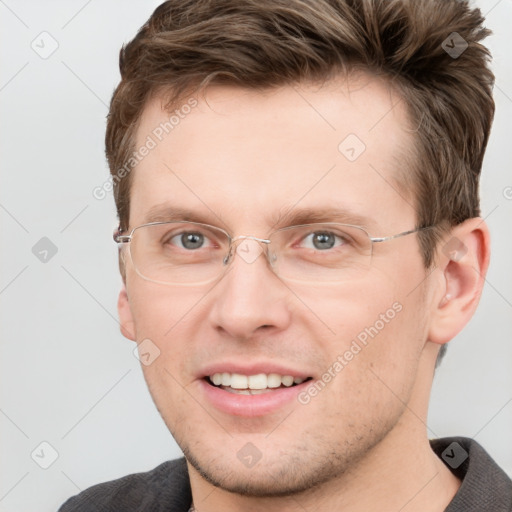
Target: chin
303,467
283,478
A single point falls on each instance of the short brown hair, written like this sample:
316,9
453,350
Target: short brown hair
187,44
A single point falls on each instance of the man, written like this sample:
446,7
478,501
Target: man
299,239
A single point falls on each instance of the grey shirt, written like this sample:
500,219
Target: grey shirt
485,487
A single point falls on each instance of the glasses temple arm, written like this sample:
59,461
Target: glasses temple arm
398,235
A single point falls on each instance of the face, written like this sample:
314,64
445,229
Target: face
239,160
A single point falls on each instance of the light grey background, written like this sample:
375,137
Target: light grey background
68,376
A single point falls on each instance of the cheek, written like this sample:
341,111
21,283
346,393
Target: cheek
159,310
351,309
377,328
166,321
372,360
170,319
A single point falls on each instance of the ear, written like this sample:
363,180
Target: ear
125,315
463,260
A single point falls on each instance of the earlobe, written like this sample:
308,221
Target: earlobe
125,315
463,260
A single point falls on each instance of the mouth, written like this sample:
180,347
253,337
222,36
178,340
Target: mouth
261,383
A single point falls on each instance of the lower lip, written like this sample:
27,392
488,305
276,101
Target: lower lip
250,405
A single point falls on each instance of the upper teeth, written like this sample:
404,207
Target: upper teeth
259,381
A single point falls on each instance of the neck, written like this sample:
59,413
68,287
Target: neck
399,473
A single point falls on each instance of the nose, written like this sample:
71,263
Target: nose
247,247
250,298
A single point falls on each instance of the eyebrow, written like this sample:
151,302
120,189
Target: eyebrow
168,213
307,215
292,216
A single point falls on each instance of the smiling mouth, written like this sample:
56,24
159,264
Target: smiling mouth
253,384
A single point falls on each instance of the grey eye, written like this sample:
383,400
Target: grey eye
188,240
322,240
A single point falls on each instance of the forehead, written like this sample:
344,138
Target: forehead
242,155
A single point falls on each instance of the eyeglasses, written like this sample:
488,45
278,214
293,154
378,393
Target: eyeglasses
191,253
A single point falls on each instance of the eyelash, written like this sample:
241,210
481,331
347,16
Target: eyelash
180,234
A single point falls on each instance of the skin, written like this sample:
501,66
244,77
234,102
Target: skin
242,158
